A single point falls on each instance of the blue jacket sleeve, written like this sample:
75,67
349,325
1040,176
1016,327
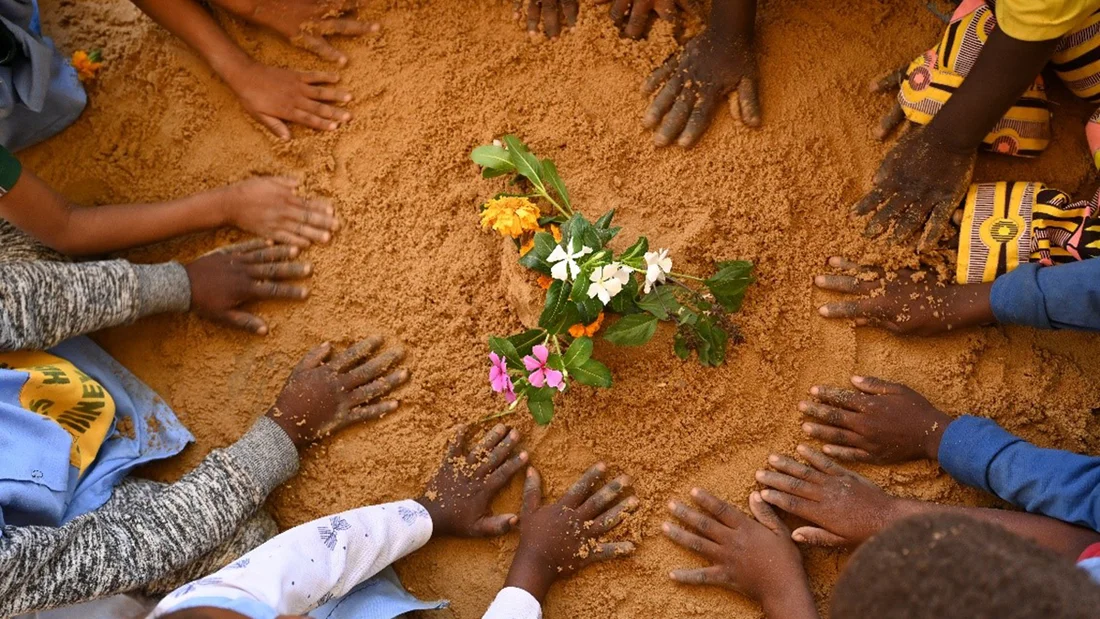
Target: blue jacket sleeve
1064,296
1059,484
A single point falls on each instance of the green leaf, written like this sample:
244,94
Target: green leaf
559,313
680,346
604,222
636,252
536,258
527,165
579,229
524,342
540,402
713,340
625,302
632,330
555,361
661,302
493,172
592,373
493,158
506,349
588,310
550,171
729,284
579,352
579,292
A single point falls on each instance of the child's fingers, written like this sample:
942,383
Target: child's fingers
380,387
492,526
325,93
937,222
790,485
842,263
666,9
789,503
343,27
829,414
244,320
706,526
870,321
849,399
274,125
313,121
320,205
676,119
315,357
315,217
373,368
604,497
659,75
663,102
766,516
500,477
816,536
889,122
319,77
877,386
891,81
912,219
287,238
748,100
614,550
852,454
532,491
247,249
533,12
350,356
699,121
691,541
486,443
846,283
277,290
369,412
579,491
891,210
569,10
612,517
723,511
280,270
870,202
324,110
551,23
618,11
277,253
320,47
311,233
820,461
639,17
830,434
794,468
713,575
499,454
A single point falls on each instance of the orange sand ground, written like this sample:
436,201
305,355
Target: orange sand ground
412,264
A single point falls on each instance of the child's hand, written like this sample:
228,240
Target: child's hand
696,83
890,84
459,497
847,508
906,302
920,182
227,278
558,539
304,23
882,423
753,557
268,207
327,392
634,15
552,13
275,96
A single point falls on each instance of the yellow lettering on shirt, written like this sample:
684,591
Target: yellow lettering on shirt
57,390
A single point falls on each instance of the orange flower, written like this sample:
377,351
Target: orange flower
527,245
544,282
582,330
510,216
87,64
555,229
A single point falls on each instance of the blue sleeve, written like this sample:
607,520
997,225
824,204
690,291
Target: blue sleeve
1064,296
1055,483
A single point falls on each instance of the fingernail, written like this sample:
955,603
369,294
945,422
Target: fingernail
261,331
759,476
601,466
807,428
766,494
823,311
514,434
666,527
346,117
754,496
293,251
858,379
332,126
774,459
819,280
814,390
530,472
695,492
803,405
798,537
671,506
801,448
347,98
523,456
632,502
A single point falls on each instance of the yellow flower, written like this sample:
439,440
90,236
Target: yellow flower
544,282
527,245
582,330
555,229
510,216
87,64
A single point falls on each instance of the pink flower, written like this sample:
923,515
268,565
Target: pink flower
541,374
498,375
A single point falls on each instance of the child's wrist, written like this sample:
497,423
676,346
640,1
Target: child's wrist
530,573
794,601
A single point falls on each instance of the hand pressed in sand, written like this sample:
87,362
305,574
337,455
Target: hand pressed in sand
305,23
635,16
275,96
561,538
904,302
882,422
553,14
270,208
460,495
754,557
327,392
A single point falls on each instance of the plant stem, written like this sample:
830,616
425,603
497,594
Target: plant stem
504,413
686,276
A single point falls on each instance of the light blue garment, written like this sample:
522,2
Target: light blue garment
1092,568
38,486
40,93
1063,296
379,597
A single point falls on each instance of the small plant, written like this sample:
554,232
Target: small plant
585,280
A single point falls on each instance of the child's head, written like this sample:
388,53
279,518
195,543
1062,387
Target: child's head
946,566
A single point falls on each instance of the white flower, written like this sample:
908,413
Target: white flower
657,265
566,266
608,281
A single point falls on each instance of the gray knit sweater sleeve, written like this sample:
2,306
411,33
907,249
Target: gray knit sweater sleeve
116,549
44,303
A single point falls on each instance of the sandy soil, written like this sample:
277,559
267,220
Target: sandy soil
412,264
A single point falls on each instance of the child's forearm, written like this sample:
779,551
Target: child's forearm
732,18
194,26
797,602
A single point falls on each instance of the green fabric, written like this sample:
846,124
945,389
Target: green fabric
10,169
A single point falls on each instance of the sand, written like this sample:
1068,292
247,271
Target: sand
412,264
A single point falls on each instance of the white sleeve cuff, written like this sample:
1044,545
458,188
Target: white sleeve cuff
514,603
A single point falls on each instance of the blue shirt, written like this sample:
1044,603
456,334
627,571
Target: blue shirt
38,483
1055,483
1064,296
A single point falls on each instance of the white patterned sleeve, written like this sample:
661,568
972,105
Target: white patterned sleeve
312,563
514,603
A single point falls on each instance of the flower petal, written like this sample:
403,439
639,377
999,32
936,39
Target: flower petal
541,353
537,379
531,363
554,378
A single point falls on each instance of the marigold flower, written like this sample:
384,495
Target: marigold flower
555,229
87,64
583,330
544,282
510,216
